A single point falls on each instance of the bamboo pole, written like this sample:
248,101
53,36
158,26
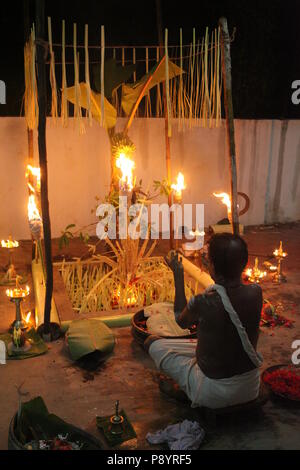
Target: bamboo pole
87,72
30,156
226,72
64,101
42,100
167,137
102,76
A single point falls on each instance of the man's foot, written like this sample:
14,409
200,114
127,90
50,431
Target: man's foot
172,390
149,341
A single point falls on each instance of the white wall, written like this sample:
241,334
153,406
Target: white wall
268,156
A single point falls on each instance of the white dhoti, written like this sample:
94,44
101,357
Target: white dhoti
177,359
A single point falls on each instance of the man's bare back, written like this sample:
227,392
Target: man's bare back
220,352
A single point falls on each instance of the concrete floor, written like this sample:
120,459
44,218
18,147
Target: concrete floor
129,375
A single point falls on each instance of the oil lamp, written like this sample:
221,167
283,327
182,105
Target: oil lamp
17,295
279,254
255,275
116,422
9,245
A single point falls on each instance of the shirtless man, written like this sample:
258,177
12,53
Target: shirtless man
221,367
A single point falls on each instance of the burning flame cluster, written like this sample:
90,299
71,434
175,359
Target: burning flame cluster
9,243
179,186
32,171
18,292
126,165
33,212
279,253
225,199
131,299
255,274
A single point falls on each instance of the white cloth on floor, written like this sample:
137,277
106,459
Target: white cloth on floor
187,435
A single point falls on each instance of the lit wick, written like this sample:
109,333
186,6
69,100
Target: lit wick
255,275
279,254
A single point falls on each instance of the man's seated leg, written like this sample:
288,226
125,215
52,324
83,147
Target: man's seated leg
176,358
149,341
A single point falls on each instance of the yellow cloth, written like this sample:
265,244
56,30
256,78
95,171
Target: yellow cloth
131,92
109,111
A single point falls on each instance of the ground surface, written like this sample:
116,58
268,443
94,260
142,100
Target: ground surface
129,375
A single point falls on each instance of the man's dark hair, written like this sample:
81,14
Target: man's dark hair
229,254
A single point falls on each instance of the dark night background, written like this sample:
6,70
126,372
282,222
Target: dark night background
265,53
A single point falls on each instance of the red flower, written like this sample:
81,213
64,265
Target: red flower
284,382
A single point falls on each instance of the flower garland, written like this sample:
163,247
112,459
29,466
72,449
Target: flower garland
284,382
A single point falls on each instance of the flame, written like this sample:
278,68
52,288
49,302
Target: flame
33,212
255,274
36,172
131,299
9,243
179,186
18,292
248,272
225,199
196,233
279,252
126,166
27,318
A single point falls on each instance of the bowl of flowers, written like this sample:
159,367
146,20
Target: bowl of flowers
284,382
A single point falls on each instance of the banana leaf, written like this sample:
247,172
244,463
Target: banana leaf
36,423
109,111
131,92
86,336
114,76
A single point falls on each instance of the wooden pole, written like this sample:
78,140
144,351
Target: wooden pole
226,71
30,155
41,47
167,137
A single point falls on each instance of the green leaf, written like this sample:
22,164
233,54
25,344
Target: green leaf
114,76
69,226
86,336
63,241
